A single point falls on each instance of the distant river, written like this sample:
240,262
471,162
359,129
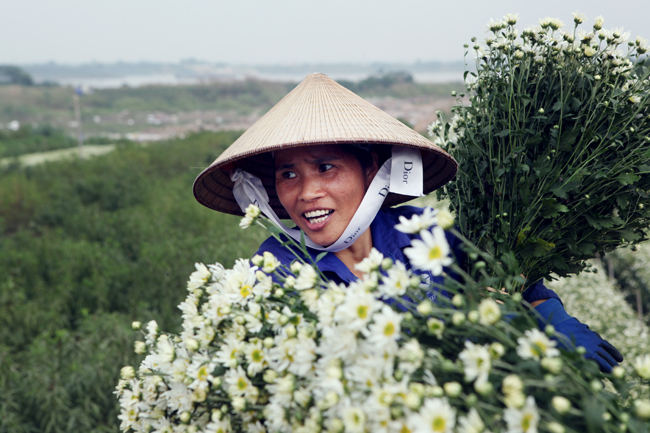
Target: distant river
170,79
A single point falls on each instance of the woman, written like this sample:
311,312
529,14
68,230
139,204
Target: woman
334,164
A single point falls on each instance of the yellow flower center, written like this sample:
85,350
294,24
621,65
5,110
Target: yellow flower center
203,373
389,329
405,429
241,384
438,424
435,253
257,356
525,422
362,311
245,291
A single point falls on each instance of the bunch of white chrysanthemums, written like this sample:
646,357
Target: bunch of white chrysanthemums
268,347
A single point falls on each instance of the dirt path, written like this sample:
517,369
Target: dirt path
56,155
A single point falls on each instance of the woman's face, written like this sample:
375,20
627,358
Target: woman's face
321,188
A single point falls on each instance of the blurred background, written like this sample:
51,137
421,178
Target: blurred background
110,109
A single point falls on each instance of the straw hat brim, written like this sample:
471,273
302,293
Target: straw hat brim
318,111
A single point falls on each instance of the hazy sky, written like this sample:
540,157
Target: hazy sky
273,31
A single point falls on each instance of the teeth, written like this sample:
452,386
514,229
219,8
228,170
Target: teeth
316,213
318,220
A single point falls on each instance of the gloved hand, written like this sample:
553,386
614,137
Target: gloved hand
601,351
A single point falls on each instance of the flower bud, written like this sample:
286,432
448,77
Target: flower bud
437,391
517,297
140,347
552,365
642,408
192,344
497,350
425,308
473,316
540,111
560,404
291,331
596,385
618,372
238,403
412,401
336,426
555,427
185,417
127,373
550,330
283,320
269,342
458,318
453,92
515,400
270,376
278,293
136,325
386,264
457,301
295,267
512,384
483,387
452,389
257,260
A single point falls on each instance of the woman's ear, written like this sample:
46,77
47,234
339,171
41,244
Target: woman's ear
372,169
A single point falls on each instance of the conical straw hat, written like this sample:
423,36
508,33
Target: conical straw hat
318,111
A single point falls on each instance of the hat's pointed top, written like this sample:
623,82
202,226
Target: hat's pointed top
317,111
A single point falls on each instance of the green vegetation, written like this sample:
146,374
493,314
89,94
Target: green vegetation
15,75
30,140
85,248
399,85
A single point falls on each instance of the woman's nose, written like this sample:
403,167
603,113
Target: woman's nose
311,188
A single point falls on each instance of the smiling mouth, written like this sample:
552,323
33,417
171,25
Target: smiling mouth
317,216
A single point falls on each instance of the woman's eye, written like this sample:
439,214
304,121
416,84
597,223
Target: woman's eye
288,174
325,167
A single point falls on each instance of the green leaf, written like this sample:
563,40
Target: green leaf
504,133
627,178
558,106
523,168
552,209
522,235
535,247
320,256
622,201
303,245
564,188
600,223
568,139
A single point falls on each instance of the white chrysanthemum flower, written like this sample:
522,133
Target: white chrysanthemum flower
357,309
256,358
270,262
642,366
252,212
495,26
397,280
635,99
304,356
385,328
489,312
199,277
417,223
535,344
472,423
306,278
512,384
523,420
370,263
598,23
511,19
283,353
445,219
476,362
435,415
338,341
152,332
431,253
354,419
165,349
579,18
230,352
237,383
410,356
264,286
589,51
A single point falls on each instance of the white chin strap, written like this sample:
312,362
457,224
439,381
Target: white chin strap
400,174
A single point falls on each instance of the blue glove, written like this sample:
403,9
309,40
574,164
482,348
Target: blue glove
601,351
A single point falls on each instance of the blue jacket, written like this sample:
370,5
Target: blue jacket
391,243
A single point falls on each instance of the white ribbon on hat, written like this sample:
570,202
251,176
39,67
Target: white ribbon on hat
402,174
